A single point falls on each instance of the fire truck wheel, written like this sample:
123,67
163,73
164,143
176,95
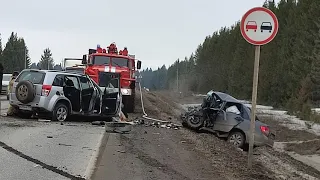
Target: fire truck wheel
25,92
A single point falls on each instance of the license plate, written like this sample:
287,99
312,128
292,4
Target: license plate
27,108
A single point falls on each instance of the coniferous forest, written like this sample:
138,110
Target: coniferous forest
289,74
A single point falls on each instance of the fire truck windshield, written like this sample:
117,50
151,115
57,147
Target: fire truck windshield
117,61
101,60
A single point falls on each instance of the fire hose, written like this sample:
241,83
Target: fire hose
145,115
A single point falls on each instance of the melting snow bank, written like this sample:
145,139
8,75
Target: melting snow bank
310,160
292,122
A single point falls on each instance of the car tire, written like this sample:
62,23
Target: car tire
237,138
195,122
7,96
60,112
25,92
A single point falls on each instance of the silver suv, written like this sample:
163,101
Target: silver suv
61,93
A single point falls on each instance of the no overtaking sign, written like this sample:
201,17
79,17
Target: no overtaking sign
258,26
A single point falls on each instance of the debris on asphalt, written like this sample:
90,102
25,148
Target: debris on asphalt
118,127
64,144
44,120
49,137
157,124
98,123
121,151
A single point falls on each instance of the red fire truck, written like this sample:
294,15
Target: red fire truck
110,60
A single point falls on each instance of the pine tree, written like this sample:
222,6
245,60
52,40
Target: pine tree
46,61
14,54
315,67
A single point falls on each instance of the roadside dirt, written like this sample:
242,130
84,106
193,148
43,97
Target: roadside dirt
304,148
222,160
184,154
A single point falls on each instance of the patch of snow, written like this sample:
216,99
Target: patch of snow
282,169
260,106
316,110
310,160
199,95
292,122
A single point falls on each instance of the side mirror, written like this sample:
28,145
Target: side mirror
84,59
138,64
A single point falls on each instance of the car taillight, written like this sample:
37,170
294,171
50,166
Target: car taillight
46,90
265,129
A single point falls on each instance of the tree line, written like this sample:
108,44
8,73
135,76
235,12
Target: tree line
289,74
14,56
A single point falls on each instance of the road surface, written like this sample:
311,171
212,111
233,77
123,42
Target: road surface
46,150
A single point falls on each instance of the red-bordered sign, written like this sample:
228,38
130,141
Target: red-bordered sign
259,26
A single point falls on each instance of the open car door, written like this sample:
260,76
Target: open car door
109,84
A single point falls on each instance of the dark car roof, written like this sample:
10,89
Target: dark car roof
226,97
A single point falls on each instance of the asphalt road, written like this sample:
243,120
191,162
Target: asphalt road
47,150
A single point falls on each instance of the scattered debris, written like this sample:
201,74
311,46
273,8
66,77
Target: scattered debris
44,120
49,137
118,127
64,144
99,123
157,124
121,151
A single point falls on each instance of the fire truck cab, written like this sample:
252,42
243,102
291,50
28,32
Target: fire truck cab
110,60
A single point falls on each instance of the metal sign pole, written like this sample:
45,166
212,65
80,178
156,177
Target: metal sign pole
254,101
258,27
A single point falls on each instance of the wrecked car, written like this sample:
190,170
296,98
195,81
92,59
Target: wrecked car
228,118
59,94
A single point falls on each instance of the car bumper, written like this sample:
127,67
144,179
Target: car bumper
262,140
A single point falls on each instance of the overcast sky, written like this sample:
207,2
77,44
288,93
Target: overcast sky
157,32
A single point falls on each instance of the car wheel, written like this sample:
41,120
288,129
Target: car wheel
7,96
60,112
195,122
25,92
237,139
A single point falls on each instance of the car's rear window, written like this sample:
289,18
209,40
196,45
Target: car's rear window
35,77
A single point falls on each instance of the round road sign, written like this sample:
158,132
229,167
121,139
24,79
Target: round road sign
259,26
